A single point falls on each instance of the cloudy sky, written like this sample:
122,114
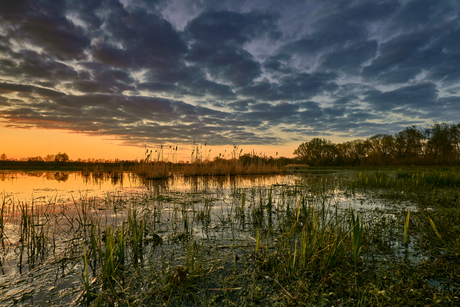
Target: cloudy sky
118,74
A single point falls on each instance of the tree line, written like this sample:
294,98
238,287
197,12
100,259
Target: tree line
59,157
435,145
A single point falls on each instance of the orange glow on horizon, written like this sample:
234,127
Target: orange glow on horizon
23,143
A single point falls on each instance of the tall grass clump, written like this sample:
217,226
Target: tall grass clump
435,229
315,241
153,170
222,167
108,253
136,230
108,260
356,234
442,178
377,179
408,179
85,278
33,234
406,228
3,219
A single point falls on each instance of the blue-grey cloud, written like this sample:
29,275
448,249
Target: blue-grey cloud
217,40
296,86
351,57
419,96
44,24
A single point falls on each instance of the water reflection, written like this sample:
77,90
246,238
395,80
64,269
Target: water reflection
58,176
28,186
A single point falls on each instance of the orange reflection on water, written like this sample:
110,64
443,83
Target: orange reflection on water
59,186
62,187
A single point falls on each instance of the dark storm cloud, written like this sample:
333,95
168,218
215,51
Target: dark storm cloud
418,96
444,64
416,14
400,60
241,105
44,24
159,87
296,86
218,38
230,28
198,85
277,63
32,66
138,40
431,46
342,23
5,88
102,79
310,111
228,71
271,114
350,57
345,99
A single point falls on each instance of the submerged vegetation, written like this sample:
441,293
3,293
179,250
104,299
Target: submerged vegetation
324,238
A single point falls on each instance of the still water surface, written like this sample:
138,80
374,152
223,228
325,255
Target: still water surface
65,186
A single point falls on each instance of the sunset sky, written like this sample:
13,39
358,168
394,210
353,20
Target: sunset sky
102,79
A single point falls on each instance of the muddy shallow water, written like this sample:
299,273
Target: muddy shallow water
46,217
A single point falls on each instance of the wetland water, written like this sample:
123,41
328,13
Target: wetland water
48,217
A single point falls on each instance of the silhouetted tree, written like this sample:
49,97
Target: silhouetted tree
455,134
316,151
50,158
382,147
409,144
440,142
61,157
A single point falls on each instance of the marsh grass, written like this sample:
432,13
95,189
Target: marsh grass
3,219
223,167
85,277
277,245
219,167
356,234
406,228
154,170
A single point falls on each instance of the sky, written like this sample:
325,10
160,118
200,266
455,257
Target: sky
105,78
